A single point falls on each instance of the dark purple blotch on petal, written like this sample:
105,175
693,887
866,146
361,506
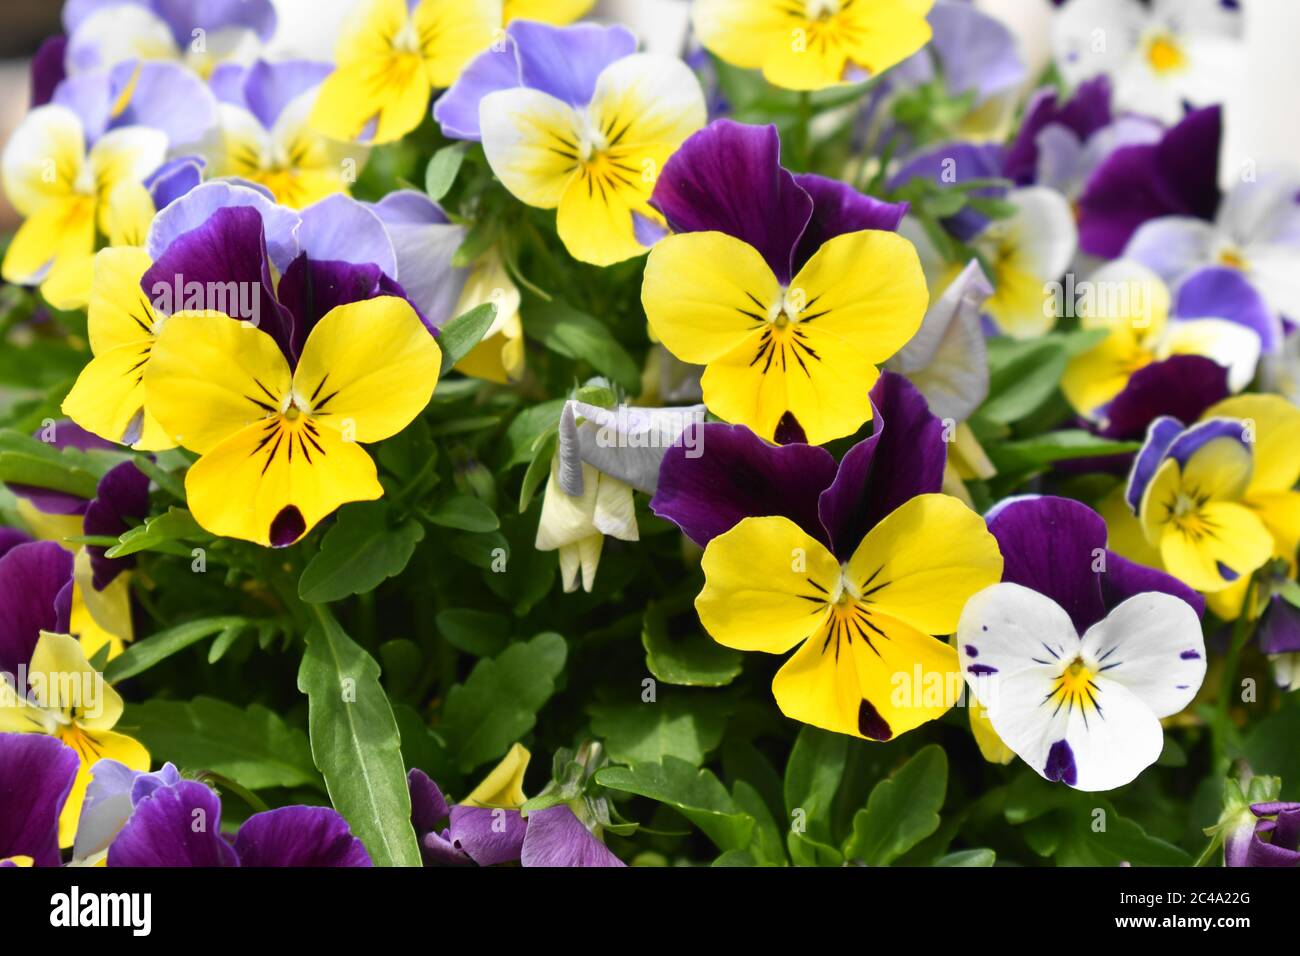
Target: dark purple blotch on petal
733,474
870,724
36,775
1060,764
287,527
788,430
299,836
904,458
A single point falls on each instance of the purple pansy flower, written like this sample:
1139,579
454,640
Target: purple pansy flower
1176,176
786,217
36,776
36,594
741,476
1274,840
975,52
464,835
1082,115
175,822
563,62
1181,387
163,96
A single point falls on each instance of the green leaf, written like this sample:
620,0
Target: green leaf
982,857
144,654
359,553
253,747
1031,453
465,513
499,701
459,336
812,776
696,794
355,742
481,633
901,811
683,726
578,336
1290,592
538,470
440,174
693,661
159,533
25,460
520,441
1026,373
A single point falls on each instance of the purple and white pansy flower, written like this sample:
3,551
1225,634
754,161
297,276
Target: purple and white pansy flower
1078,653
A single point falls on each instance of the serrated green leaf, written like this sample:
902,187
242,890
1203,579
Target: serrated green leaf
901,811
253,747
355,743
696,794
359,553
144,654
812,776
499,701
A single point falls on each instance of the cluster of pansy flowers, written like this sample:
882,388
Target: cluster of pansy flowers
789,311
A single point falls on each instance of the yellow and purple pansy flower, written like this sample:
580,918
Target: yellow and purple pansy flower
574,119
859,564
1078,653
812,44
791,290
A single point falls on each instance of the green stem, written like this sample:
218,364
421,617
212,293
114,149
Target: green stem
1240,633
803,142
225,783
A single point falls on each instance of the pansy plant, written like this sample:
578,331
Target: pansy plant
1078,653
857,565
791,290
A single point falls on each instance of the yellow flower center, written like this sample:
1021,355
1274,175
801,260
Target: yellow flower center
1232,258
1164,55
1075,687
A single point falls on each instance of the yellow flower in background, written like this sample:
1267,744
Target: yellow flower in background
770,587
558,12
69,195
596,165
70,700
279,446
812,44
390,59
108,397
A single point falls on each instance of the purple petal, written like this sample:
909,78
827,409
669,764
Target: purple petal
1201,434
36,775
1269,854
184,16
566,61
122,494
488,835
732,474
270,87
456,110
838,208
1181,387
90,96
1087,111
1219,292
1124,578
1187,163
177,825
905,457
144,784
424,243
173,179
1051,545
1279,627
429,808
10,538
109,802
47,69
556,837
165,96
951,165
230,247
31,577
341,229
728,178
299,836
976,51
196,207
1160,435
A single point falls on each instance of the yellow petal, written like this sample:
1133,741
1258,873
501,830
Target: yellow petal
273,481
43,159
767,585
209,376
558,12
62,680
532,143
1096,376
392,90
62,228
595,220
742,32
121,157
120,313
706,293
368,368
877,690
109,398
504,786
453,32
924,561
1274,424
645,100
1227,536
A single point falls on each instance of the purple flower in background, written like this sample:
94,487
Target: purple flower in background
976,54
463,835
175,822
1182,387
199,33
173,179
1176,176
36,775
741,476
1274,840
1082,115
954,164
563,62
161,96
36,594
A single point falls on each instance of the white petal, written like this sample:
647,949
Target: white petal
567,519
1171,245
1275,271
615,513
1152,645
43,158
1231,345
1043,229
1095,36
658,94
629,443
1008,628
522,129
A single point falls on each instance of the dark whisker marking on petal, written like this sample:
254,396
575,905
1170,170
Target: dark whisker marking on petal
274,448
